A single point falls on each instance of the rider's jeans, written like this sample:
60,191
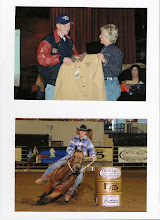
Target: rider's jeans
56,164
78,181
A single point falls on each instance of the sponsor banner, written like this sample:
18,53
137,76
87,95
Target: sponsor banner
132,154
47,155
110,173
111,200
102,154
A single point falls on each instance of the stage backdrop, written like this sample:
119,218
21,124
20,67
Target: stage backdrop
88,21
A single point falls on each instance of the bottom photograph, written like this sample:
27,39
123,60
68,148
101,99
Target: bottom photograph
80,165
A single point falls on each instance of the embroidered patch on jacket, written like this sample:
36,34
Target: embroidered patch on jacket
54,50
88,64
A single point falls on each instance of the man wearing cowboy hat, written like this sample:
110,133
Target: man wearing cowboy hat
81,142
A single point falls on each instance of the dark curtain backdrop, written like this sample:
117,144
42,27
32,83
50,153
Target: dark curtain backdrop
88,21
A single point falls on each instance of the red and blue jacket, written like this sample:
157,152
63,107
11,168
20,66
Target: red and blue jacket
49,56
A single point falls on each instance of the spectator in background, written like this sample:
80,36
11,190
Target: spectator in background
135,74
54,49
133,88
111,57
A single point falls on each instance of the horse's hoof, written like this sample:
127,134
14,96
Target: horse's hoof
67,197
40,202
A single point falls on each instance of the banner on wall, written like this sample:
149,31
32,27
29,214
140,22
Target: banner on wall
103,154
132,154
48,155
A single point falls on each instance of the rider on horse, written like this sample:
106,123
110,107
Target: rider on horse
80,142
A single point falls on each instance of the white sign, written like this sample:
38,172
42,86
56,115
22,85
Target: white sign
110,173
132,154
111,200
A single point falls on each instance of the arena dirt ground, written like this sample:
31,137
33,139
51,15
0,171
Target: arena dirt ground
134,192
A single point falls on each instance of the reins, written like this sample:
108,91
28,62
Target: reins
57,184
72,173
86,167
69,165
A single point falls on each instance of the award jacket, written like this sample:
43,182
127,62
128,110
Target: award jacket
82,80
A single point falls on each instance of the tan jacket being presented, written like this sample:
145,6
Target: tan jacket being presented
82,80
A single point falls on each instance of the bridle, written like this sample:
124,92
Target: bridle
80,164
72,173
73,164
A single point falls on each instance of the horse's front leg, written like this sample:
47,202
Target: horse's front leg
43,200
53,195
68,194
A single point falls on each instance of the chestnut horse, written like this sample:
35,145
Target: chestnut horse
62,178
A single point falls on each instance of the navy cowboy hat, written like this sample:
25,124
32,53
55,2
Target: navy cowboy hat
83,128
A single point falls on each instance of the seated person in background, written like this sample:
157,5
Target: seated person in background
133,89
135,73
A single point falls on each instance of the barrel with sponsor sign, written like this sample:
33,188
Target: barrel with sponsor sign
108,186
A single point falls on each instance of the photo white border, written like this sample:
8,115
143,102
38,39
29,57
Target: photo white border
12,109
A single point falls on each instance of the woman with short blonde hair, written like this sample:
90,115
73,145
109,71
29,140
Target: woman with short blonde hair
111,32
111,58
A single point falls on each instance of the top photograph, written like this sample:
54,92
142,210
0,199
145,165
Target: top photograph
80,53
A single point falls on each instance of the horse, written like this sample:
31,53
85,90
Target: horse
62,178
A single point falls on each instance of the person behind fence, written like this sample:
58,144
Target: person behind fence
81,141
111,57
54,49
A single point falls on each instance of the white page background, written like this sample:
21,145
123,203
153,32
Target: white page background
11,109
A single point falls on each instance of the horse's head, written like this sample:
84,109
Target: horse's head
76,161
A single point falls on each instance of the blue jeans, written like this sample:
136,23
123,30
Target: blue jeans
49,92
113,90
40,94
57,164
